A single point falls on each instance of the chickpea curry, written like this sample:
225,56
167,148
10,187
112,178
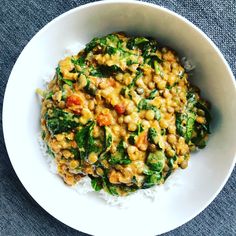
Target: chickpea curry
123,113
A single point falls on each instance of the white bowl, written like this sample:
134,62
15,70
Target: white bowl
209,168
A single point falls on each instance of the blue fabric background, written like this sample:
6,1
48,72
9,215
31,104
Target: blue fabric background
19,21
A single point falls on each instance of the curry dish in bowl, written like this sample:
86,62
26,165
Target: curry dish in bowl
122,112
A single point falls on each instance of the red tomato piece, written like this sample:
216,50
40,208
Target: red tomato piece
104,119
73,100
120,109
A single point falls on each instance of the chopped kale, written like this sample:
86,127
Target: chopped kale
121,156
59,121
60,77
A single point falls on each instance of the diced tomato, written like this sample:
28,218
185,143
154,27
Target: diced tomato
120,108
112,82
73,100
142,141
104,119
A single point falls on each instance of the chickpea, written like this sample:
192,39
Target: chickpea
114,176
43,110
168,102
174,91
83,120
139,166
53,87
169,56
184,149
140,91
92,158
166,75
70,136
157,102
61,167
133,152
150,115
163,124
91,105
142,114
192,148
133,67
107,56
126,176
88,170
174,65
166,93
99,171
182,95
151,85
167,65
163,109
135,117
122,132
132,126
171,138
61,104
74,164
171,80
201,119
170,152
114,100
49,105
171,129
156,78
96,132
166,168
116,129
119,76
130,108
98,109
66,154
180,159
105,111
152,147
127,119
127,78
57,96
105,163
113,149
200,112
69,179
170,109
174,104
145,124
139,82
120,120
60,137
161,84
52,84
82,81
181,140
184,164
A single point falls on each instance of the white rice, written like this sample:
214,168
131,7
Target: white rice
187,64
73,49
84,185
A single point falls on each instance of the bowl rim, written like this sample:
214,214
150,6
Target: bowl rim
111,2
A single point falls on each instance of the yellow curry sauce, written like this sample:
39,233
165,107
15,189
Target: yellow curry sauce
122,112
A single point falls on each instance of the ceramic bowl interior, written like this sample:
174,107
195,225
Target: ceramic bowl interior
208,170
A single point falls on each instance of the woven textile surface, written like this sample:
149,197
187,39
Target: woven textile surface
20,20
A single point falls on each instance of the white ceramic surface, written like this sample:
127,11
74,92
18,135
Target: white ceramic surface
209,169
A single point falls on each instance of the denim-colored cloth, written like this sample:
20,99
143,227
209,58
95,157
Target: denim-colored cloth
19,21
